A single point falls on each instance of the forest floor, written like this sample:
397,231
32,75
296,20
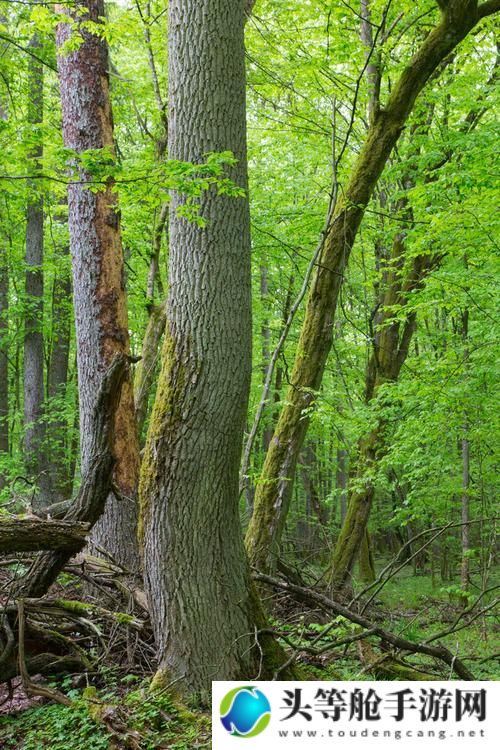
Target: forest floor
120,705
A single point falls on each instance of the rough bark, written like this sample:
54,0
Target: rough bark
34,535
33,316
204,608
98,274
274,491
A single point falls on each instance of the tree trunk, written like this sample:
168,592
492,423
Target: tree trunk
265,331
464,571
274,491
98,274
204,608
4,327
146,369
4,357
341,480
390,346
33,317
57,464
366,561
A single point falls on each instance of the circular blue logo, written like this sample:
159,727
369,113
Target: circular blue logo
245,712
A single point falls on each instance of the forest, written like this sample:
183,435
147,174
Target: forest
248,348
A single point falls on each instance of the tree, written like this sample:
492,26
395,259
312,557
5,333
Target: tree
4,344
204,608
98,267
272,499
33,337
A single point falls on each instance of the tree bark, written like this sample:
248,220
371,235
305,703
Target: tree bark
146,369
34,535
98,273
33,316
274,491
204,608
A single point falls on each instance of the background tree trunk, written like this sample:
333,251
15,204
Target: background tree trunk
274,491
33,336
4,354
98,276
464,571
58,465
204,608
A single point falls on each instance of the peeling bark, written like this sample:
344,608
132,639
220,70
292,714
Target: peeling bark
98,274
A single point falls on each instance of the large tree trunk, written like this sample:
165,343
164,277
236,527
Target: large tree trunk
33,316
98,274
274,491
204,609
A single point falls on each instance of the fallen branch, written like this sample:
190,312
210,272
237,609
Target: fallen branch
30,687
33,535
312,598
90,502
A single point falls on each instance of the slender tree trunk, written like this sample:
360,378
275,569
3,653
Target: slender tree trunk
4,355
98,274
274,491
267,432
4,324
57,377
366,561
146,369
203,604
464,572
33,316
341,481
391,343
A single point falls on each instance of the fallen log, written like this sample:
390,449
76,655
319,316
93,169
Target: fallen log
33,535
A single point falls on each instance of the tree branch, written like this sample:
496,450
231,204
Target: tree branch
314,599
488,8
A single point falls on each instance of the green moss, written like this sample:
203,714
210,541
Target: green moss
123,618
165,415
77,608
